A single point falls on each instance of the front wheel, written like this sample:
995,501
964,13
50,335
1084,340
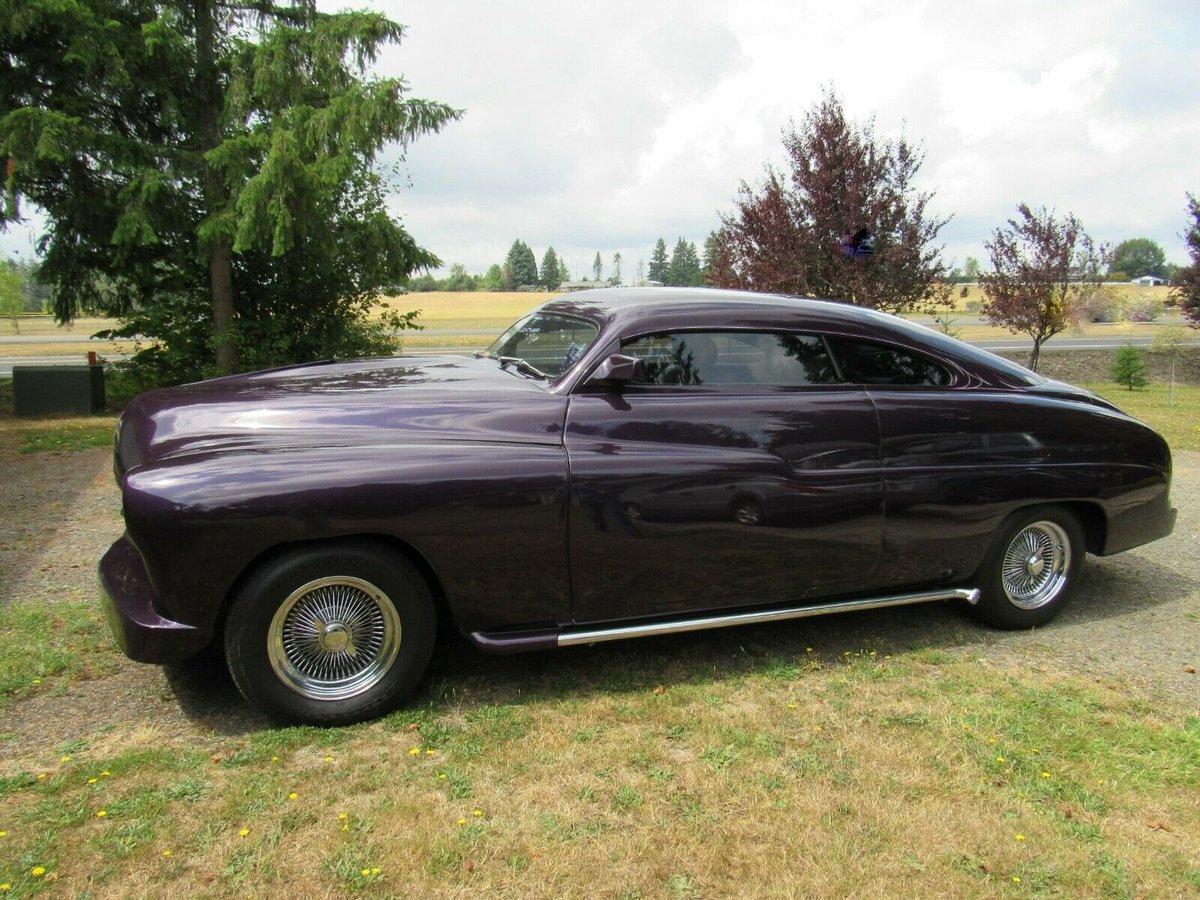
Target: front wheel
330,635
1031,568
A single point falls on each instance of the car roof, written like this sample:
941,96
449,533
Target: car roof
628,311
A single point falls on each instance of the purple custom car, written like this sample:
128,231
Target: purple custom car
619,463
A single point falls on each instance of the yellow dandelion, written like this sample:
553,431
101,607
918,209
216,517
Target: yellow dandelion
345,828
993,740
999,759
1016,879
37,681
441,776
101,813
5,888
329,759
431,753
477,812
106,774
376,870
93,780
244,832
37,871
1020,837
274,759
818,728
41,776
415,751
65,759
342,817
1046,775
793,706
3,834
293,796
166,853
462,821
366,872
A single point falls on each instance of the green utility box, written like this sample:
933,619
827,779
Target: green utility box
38,390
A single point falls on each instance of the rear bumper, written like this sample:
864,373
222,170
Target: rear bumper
130,607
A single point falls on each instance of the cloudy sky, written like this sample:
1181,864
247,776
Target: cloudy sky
603,126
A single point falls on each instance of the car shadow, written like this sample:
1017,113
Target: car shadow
463,677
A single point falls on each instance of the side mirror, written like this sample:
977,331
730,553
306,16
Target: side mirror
618,369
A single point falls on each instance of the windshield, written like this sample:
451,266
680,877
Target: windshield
544,343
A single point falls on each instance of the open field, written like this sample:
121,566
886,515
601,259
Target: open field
473,319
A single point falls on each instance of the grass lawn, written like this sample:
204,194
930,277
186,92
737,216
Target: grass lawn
1174,414
723,772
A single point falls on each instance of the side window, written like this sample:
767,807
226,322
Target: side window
733,358
864,362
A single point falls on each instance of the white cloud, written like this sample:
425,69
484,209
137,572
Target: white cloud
605,126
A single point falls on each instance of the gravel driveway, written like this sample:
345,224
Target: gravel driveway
1135,620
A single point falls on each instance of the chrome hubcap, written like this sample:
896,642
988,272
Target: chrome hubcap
334,638
1035,565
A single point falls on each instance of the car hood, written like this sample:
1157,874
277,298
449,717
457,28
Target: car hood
375,401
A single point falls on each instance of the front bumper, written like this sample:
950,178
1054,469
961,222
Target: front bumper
129,606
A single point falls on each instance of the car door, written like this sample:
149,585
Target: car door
737,473
953,459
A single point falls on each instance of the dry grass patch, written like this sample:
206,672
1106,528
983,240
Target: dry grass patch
927,774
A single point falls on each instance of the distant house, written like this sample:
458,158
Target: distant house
1149,281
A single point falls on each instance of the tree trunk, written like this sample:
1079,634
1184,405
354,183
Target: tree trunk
1033,356
216,196
220,270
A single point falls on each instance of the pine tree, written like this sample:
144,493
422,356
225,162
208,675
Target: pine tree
551,276
658,263
521,263
189,153
1129,368
684,269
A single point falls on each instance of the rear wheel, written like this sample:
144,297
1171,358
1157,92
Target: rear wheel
1031,568
330,635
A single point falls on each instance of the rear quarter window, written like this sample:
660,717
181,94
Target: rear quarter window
870,363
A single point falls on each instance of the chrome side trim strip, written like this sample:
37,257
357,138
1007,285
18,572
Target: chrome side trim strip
595,636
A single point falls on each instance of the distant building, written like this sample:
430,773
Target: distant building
568,287
1149,281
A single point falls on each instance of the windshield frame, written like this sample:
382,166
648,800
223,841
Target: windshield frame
507,353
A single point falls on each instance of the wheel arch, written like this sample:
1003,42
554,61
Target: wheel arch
1092,520
388,544
1091,517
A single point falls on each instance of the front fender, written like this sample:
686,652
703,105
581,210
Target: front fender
489,519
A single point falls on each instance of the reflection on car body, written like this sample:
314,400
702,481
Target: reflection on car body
619,463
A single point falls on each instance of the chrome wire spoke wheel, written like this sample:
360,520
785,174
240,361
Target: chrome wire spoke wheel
1035,565
334,638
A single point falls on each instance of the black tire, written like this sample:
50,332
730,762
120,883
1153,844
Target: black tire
1031,568
331,634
